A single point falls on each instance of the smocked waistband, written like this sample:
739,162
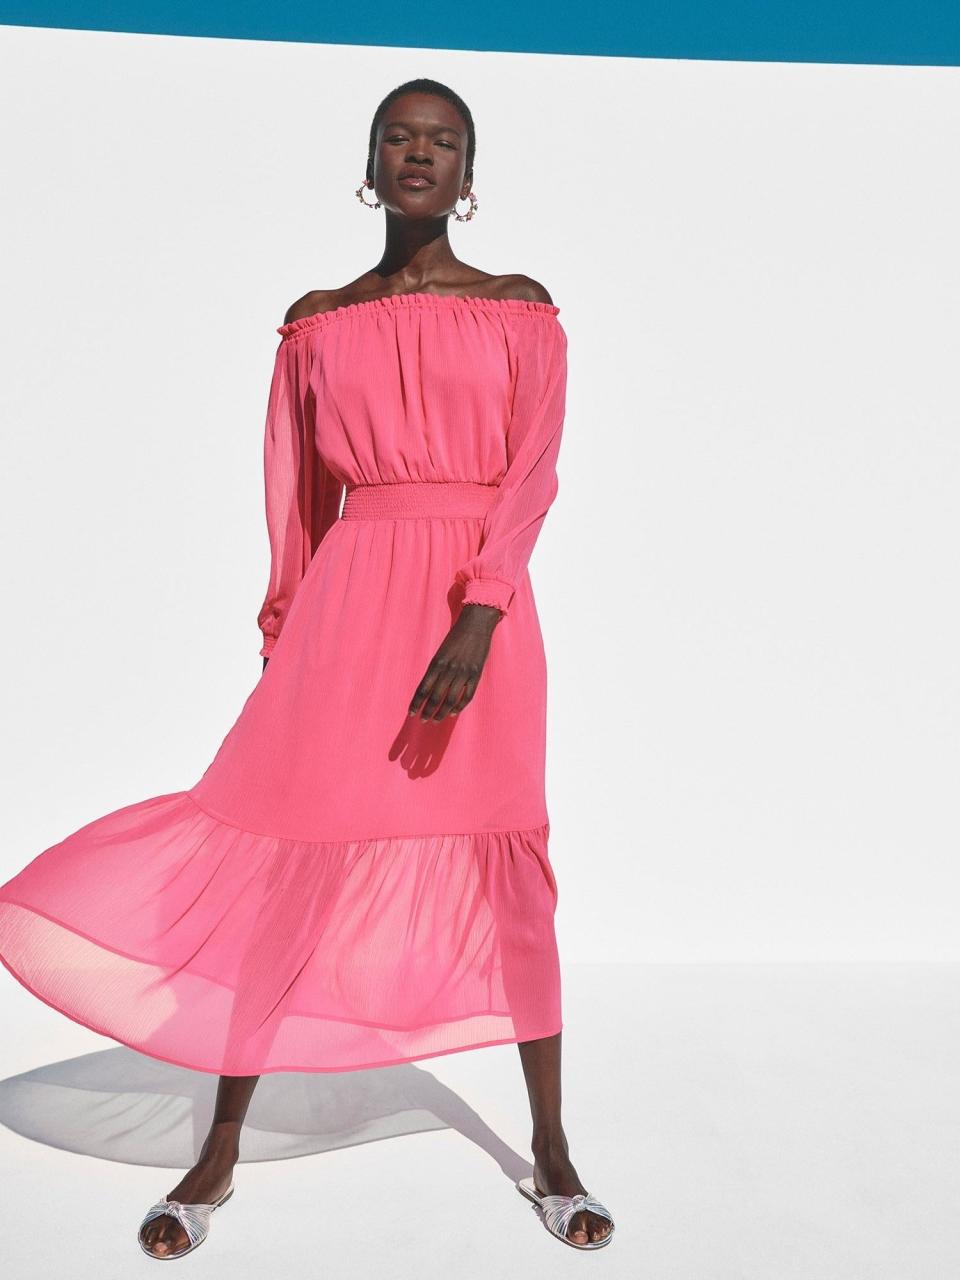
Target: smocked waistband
452,498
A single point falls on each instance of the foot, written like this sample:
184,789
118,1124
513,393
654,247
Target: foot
554,1175
205,1182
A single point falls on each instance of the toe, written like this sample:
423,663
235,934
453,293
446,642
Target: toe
578,1231
166,1237
603,1228
158,1243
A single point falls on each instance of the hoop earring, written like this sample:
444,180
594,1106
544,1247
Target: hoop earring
465,217
359,194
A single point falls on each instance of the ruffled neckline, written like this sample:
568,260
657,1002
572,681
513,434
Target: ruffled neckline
399,301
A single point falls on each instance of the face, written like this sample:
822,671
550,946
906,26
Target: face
420,156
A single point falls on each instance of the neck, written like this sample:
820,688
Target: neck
416,253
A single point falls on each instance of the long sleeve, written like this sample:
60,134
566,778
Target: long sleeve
527,490
302,495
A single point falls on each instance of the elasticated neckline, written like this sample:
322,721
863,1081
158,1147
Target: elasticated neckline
398,301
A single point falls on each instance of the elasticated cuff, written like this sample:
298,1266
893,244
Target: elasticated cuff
491,591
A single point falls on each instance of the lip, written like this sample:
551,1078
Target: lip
415,181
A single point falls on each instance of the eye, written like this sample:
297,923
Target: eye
399,137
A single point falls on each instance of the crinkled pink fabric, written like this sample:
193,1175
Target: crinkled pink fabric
347,886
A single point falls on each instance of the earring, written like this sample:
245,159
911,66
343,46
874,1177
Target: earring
465,217
359,194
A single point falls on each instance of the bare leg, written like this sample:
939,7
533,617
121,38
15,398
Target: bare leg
210,1176
553,1173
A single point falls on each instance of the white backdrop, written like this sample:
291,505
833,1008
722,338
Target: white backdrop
747,585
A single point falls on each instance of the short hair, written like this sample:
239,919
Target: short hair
434,87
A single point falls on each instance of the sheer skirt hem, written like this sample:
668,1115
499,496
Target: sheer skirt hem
220,950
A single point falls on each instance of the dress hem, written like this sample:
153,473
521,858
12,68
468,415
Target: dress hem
220,1071
207,977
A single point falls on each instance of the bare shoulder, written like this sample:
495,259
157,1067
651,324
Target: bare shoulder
312,302
524,289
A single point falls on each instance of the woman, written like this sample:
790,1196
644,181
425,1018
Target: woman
361,875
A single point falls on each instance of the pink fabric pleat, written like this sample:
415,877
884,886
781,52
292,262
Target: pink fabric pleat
347,886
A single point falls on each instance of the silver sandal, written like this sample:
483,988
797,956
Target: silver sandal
558,1212
194,1218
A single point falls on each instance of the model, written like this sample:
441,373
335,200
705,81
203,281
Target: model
361,875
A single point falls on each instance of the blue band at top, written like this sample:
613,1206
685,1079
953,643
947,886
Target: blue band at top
922,33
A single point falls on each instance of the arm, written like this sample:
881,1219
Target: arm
302,496
511,525
529,486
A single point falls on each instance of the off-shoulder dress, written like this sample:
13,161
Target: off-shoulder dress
348,886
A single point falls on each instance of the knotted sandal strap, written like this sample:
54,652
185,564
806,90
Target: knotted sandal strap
559,1211
194,1218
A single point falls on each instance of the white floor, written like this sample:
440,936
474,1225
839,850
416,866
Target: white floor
742,1122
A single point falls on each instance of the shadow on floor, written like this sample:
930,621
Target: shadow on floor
120,1105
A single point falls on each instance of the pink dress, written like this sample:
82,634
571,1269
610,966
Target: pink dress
347,886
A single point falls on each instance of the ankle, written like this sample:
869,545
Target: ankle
550,1144
220,1148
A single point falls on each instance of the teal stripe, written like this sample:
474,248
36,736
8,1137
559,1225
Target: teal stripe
926,33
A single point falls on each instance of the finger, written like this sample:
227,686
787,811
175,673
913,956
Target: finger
423,689
451,698
437,698
462,700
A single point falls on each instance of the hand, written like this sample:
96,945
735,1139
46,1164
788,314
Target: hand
454,671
